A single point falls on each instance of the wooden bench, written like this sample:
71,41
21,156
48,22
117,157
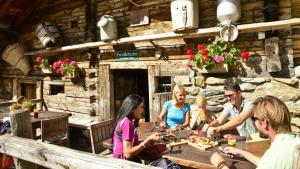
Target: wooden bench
98,131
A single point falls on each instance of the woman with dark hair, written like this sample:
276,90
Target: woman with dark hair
126,143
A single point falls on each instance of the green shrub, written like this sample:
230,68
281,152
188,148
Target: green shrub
26,104
15,106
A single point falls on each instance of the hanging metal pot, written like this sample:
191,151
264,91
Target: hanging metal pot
185,14
228,11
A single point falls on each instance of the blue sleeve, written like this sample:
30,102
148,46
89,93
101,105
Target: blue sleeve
188,107
167,105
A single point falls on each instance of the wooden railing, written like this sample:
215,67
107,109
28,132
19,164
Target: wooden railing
53,156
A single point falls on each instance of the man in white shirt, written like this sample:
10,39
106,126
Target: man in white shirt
238,109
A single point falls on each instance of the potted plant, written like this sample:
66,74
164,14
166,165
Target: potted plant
43,65
14,107
66,67
216,57
26,104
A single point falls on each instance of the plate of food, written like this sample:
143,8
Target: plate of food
201,143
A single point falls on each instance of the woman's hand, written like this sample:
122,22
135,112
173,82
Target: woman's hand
211,131
179,127
162,124
153,138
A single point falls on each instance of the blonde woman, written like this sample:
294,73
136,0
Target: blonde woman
175,113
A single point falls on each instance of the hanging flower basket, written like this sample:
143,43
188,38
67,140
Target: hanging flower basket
218,68
216,57
60,66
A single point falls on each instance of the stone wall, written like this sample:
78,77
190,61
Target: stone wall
286,89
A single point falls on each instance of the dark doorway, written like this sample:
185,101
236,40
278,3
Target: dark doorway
131,81
28,90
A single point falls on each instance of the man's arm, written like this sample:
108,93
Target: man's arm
219,121
235,122
238,152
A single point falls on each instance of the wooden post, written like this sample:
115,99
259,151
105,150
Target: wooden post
21,126
91,20
271,13
272,54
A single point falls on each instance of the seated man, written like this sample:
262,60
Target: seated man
238,109
272,118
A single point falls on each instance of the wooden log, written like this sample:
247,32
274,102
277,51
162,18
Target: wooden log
21,126
53,156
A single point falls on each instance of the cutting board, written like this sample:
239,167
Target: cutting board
203,146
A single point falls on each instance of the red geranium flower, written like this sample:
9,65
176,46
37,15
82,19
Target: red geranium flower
189,65
189,52
245,55
191,57
200,46
204,52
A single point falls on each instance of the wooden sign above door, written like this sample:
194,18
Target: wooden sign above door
127,55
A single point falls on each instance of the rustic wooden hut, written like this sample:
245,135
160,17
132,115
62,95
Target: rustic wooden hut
147,57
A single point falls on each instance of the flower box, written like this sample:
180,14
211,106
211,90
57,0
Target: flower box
216,57
46,71
74,74
218,68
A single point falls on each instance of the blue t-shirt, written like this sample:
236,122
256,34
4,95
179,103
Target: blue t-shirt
175,116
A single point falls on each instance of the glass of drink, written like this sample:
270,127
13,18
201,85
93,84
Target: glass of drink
231,142
35,113
202,115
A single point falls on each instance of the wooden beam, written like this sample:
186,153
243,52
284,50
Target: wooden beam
5,7
27,13
53,156
205,32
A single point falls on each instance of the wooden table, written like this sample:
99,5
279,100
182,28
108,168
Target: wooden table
189,156
45,115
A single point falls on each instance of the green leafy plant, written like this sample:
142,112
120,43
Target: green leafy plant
26,104
61,66
15,106
65,66
217,52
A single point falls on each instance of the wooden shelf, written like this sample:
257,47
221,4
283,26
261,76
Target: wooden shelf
205,32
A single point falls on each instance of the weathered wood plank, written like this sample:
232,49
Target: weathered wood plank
245,28
53,156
